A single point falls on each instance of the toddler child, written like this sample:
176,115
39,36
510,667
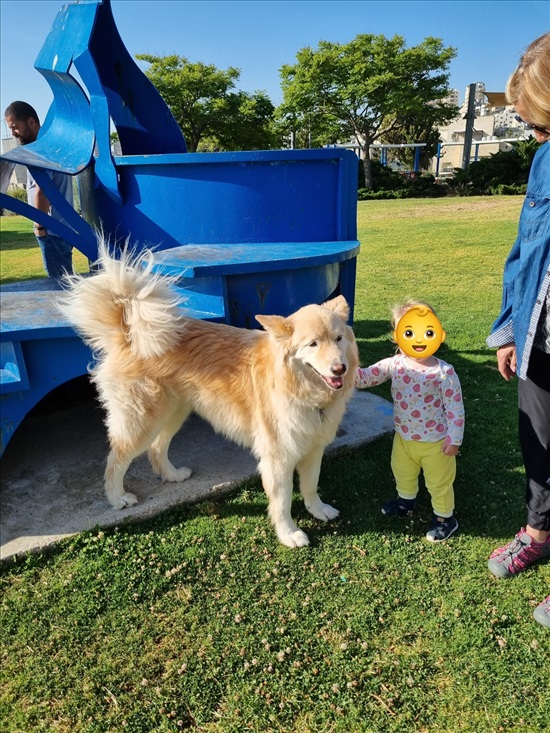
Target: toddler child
428,415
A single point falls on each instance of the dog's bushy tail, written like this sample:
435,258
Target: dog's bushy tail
124,305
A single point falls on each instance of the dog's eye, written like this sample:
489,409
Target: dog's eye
338,338
312,344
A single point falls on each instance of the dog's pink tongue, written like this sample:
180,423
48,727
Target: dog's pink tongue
335,382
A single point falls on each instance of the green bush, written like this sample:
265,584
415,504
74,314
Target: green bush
369,194
505,190
385,178
17,193
390,184
509,169
425,186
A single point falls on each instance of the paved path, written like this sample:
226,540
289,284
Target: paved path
52,471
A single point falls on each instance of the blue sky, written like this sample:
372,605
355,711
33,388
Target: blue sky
259,36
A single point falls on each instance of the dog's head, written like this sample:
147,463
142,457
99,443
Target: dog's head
318,343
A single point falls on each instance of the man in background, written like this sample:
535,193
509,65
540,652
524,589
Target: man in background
57,254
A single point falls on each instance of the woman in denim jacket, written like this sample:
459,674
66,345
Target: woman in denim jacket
521,332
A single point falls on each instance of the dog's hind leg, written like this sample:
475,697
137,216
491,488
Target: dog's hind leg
309,469
131,430
158,452
277,483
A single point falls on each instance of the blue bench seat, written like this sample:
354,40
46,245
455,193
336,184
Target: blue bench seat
190,260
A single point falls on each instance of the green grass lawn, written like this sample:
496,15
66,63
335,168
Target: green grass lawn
199,620
20,257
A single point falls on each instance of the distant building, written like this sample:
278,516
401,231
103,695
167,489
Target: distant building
451,98
495,125
19,175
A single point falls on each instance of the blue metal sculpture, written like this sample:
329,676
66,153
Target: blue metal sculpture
246,233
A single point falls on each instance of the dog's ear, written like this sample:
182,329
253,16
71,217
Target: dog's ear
277,326
339,305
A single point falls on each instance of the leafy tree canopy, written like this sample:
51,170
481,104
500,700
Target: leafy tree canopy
367,89
211,115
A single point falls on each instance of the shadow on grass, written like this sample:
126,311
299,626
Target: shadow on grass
18,240
373,330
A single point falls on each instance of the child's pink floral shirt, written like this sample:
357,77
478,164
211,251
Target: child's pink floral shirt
427,403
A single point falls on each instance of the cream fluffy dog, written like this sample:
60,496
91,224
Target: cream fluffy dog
281,392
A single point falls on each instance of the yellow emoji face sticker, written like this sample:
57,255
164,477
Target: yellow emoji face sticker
419,333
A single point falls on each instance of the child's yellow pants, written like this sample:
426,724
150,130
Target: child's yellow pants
409,457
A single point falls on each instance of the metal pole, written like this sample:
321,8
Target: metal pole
86,191
470,117
416,159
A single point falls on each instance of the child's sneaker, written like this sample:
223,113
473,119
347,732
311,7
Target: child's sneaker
441,529
542,613
522,551
399,507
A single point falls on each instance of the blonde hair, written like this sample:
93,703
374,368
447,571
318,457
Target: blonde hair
399,309
530,82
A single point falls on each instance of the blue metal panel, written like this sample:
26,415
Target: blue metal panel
49,363
204,297
280,292
31,314
13,373
238,258
144,123
266,196
66,139
245,232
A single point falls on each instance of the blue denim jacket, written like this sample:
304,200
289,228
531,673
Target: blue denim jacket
527,270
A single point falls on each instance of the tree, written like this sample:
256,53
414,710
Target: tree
415,129
210,114
366,89
244,122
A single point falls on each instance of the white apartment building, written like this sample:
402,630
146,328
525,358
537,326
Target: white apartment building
493,127
19,175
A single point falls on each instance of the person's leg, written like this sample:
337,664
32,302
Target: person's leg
532,543
406,471
42,244
57,255
439,475
534,435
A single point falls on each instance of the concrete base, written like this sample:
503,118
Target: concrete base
52,472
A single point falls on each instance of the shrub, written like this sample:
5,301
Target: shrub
390,184
488,175
504,190
17,193
425,186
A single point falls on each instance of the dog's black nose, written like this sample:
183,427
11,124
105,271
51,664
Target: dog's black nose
338,369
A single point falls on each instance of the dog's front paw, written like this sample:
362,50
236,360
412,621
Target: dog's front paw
293,538
324,512
124,500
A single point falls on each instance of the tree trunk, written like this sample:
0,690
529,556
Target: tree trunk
367,167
